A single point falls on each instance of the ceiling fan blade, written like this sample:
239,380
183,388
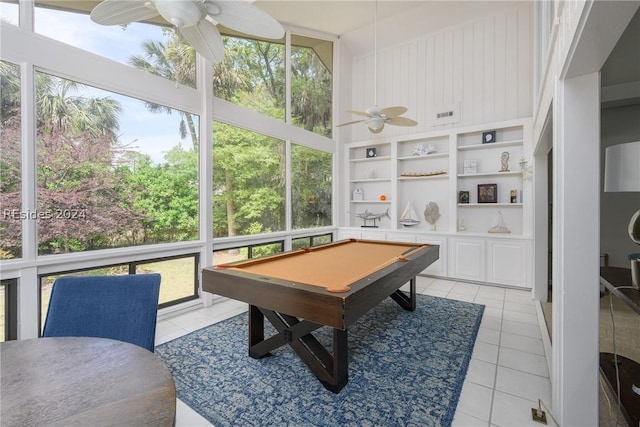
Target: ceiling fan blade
244,17
359,113
205,39
350,123
393,111
120,12
401,121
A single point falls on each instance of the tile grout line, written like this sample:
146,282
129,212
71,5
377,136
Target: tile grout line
495,375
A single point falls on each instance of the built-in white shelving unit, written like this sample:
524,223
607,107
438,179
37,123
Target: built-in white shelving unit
385,176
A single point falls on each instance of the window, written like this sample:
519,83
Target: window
110,172
252,75
224,256
8,310
179,278
179,281
248,182
311,84
10,162
311,187
153,48
307,242
9,11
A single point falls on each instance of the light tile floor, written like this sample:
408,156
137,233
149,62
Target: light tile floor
507,373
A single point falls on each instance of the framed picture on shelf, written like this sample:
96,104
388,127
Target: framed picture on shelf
463,197
489,137
371,152
487,193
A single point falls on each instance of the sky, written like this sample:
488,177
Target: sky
154,133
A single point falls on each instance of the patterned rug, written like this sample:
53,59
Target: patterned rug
405,369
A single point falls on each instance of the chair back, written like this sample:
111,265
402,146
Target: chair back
123,308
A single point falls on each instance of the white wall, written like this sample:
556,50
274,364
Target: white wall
619,125
482,67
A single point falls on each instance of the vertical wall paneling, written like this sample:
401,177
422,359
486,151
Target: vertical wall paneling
501,66
428,76
489,59
483,66
438,77
466,101
458,67
478,70
525,59
419,72
511,65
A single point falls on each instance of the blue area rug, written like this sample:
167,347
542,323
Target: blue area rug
405,369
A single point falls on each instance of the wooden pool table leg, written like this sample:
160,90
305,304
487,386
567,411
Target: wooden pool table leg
408,302
331,369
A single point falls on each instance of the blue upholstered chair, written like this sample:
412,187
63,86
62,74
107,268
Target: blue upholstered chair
123,308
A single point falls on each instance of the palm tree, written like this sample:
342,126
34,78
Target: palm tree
174,61
59,110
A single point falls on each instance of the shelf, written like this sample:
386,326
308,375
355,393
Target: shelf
491,145
481,174
372,201
416,178
370,159
428,156
371,180
490,205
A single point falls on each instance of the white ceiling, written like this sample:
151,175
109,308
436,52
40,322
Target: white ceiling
398,20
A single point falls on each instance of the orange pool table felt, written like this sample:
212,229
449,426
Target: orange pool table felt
334,266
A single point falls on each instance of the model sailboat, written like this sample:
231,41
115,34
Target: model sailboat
409,217
499,226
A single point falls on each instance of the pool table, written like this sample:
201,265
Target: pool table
330,285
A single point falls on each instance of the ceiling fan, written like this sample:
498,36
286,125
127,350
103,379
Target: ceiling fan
195,20
377,117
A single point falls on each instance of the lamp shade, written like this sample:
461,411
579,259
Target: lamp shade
622,167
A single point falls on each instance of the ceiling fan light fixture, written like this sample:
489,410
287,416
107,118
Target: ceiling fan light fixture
376,124
180,13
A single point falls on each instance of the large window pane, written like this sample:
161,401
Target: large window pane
225,256
252,75
153,48
10,162
310,187
8,310
9,11
112,170
178,278
311,84
248,182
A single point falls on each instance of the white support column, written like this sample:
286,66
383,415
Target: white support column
576,247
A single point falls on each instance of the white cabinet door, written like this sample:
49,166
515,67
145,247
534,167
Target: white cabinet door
438,268
467,259
507,262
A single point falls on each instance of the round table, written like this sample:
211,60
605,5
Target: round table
83,381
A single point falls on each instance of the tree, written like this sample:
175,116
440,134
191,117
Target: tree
167,195
311,92
174,61
58,110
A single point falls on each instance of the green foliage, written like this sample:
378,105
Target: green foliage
167,194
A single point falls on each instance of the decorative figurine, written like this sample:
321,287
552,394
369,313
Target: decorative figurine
504,162
409,217
367,216
432,214
499,226
421,150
